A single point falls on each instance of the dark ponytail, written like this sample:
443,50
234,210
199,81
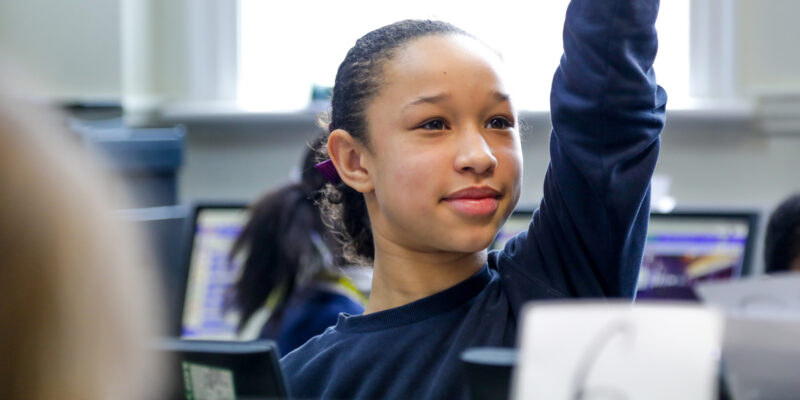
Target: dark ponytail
357,81
278,242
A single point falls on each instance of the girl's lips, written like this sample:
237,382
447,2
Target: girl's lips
474,192
473,206
474,201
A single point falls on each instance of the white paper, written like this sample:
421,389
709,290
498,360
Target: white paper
583,350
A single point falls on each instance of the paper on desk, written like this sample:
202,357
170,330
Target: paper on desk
584,350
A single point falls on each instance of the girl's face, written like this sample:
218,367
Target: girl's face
445,159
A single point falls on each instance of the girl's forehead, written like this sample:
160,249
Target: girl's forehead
439,51
444,60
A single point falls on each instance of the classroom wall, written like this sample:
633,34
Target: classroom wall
767,36
70,47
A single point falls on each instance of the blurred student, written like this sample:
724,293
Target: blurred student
293,285
75,309
782,242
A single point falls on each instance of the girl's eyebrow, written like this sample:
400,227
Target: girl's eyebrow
438,98
499,97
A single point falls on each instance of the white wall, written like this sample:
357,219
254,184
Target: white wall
73,46
74,49
768,34
70,47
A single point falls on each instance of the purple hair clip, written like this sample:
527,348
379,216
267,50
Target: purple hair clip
327,170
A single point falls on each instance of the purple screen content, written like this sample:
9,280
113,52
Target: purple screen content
683,251
679,251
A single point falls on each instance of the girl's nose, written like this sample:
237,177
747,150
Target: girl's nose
474,154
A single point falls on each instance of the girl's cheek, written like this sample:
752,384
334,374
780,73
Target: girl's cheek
411,177
511,155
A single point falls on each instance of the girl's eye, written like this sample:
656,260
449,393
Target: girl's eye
499,123
434,125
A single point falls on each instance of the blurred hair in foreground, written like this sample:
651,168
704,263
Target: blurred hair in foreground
77,304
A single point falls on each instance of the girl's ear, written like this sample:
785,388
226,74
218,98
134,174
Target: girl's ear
350,158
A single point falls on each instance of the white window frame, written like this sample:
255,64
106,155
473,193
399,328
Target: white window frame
714,88
712,51
213,49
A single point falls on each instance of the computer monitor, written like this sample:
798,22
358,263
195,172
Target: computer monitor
162,229
682,247
209,274
687,247
221,370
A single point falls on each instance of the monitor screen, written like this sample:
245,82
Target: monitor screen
685,248
211,274
681,248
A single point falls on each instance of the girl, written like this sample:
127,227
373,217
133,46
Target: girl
424,136
291,287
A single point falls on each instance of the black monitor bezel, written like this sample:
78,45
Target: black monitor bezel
228,353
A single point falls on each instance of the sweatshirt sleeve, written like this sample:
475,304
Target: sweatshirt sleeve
587,237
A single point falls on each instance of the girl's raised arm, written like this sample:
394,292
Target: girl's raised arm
588,235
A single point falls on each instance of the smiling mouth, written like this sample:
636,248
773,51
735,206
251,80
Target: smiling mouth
474,201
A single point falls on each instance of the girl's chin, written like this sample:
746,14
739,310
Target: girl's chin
475,245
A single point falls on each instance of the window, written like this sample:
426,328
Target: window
287,47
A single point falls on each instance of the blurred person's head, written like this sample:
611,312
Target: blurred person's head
284,243
76,307
782,243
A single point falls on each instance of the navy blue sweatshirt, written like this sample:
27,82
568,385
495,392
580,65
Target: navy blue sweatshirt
307,314
585,240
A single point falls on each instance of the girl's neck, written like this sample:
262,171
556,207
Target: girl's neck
402,276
